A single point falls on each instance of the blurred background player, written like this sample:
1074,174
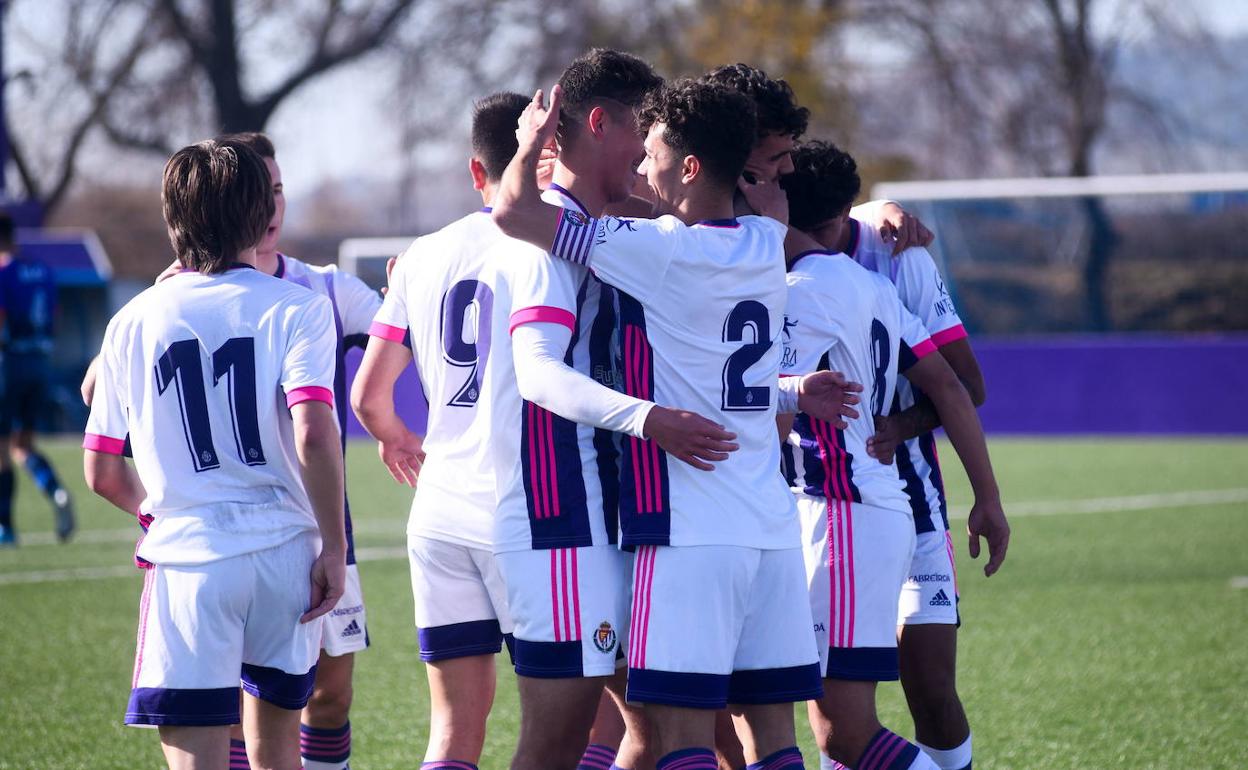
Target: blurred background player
236,517
27,305
438,311
857,520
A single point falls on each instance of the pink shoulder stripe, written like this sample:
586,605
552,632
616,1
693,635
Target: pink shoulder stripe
952,334
387,332
542,314
309,393
924,348
105,444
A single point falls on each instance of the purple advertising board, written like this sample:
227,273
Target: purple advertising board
1072,384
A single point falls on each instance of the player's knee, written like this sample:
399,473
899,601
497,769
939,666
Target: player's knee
330,705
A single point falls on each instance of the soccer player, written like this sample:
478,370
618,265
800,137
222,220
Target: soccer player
438,311
928,613
223,379
27,304
857,520
700,299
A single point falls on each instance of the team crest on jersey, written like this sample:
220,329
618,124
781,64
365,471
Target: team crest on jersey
575,218
604,637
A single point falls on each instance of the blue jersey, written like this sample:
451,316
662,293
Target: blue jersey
28,299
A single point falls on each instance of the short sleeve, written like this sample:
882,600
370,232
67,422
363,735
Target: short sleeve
308,366
922,290
389,321
916,342
632,255
809,331
543,289
108,424
357,303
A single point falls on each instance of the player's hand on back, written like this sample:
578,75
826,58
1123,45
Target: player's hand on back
904,230
767,199
883,445
689,437
329,581
828,396
402,455
987,520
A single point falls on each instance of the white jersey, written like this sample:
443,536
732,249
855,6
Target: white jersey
354,304
922,290
200,371
844,318
558,480
701,312
438,301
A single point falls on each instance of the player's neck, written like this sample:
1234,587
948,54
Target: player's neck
705,206
582,186
247,257
266,263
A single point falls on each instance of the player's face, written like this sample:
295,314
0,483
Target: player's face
771,158
663,170
622,151
268,244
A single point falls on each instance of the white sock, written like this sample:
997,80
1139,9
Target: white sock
958,758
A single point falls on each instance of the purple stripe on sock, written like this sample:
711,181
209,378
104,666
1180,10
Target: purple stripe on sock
447,764
871,754
597,757
322,744
689,759
784,759
238,755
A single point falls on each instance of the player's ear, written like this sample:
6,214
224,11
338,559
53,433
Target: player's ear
596,122
477,169
690,169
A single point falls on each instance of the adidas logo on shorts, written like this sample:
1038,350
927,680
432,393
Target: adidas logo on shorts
353,629
940,599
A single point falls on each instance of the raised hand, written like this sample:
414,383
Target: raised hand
987,520
904,230
538,123
828,396
689,437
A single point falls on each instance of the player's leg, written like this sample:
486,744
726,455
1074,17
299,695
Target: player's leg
569,607
279,653
195,748
776,663
31,404
854,590
636,747
606,734
271,733
325,730
927,642
456,591
728,749
8,533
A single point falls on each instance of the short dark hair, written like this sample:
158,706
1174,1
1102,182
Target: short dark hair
597,78
217,199
494,121
778,111
713,123
7,232
823,184
256,141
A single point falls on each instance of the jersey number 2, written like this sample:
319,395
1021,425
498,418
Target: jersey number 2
736,396
180,366
467,305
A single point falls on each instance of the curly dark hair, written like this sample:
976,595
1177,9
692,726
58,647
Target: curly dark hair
778,111
713,123
824,183
494,120
602,77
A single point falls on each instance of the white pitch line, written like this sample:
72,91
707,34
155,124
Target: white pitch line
1191,499
99,573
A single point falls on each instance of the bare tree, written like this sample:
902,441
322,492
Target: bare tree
1029,87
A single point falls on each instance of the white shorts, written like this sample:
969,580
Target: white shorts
202,628
857,557
346,625
461,604
570,607
930,594
714,625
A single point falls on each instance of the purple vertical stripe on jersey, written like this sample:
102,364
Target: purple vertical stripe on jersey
574,237
553,482
910,477
645,513
602,367
927,445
